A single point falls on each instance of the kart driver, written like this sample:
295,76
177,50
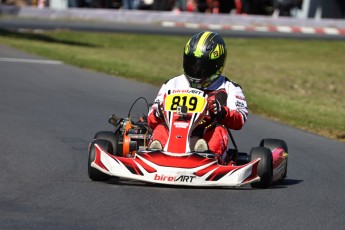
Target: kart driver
204,58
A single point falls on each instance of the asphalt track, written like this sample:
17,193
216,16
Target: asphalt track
49,113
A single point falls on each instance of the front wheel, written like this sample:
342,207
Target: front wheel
273,144
265,167
112,137
93,173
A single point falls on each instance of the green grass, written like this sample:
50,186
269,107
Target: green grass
298,82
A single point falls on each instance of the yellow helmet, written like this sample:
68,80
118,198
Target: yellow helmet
204,59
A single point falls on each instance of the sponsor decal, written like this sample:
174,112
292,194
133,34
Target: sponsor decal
180,91
181,125
192,91
215,53
240,97
239,104
181,178
184,178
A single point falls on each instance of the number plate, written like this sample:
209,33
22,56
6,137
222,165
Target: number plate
194,102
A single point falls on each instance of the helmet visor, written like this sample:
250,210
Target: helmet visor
199,69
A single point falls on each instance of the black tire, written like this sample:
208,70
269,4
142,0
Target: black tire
265,167
112,137
93,173
273,144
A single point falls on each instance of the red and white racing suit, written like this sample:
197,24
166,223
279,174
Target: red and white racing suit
234,112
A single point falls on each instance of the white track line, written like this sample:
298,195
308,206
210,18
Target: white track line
35,61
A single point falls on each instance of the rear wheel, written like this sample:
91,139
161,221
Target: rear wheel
93,173
265,167
112,137
273,144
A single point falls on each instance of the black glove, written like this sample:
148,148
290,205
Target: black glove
215,108
159,111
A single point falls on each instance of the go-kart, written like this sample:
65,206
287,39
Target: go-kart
124,152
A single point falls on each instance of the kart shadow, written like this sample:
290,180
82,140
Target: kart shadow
285,183
278,185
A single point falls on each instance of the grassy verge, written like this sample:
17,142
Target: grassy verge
298,82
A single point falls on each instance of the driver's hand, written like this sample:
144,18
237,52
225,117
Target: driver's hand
158,107
214,106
